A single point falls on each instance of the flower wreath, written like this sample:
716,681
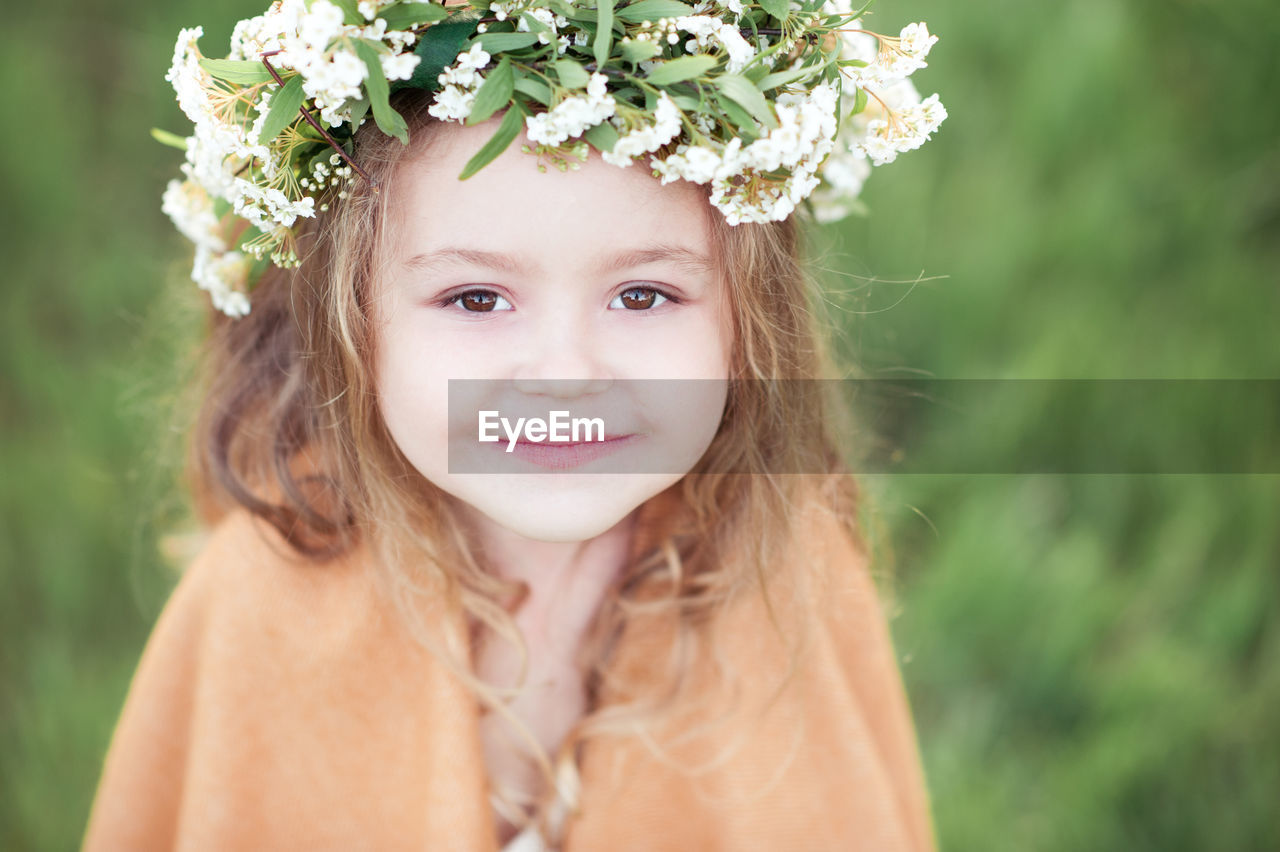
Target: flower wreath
774,103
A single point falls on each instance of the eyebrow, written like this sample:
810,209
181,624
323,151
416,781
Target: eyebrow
688,259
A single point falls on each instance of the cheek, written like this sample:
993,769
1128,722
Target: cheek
711,343
413,399
695,342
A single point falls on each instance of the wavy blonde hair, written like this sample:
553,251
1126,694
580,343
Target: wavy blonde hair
295,378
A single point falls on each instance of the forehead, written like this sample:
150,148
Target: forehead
511,205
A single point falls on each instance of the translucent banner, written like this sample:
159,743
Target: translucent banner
953,426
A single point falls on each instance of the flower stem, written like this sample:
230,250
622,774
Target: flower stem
316,125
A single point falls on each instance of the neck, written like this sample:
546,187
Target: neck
566,580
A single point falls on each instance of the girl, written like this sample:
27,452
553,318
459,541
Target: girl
398,636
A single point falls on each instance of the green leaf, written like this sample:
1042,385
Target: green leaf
679,70
350,12
779,9
859,102
242,72
604,32
389,121
173,140
359,109
408,15
285,104
572,11
781,78
603,136
737,114
744,92
688,103
635,51
507,131
502,42
438,48
571,74
494,93
535,89
652,10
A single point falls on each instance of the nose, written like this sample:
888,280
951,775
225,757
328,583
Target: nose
564,359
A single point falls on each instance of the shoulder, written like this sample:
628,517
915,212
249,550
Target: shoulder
205,659
856,645
270,615
797,709
248,580
824,575
831,590
270,688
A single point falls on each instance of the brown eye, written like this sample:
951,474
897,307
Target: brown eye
479,301
638,299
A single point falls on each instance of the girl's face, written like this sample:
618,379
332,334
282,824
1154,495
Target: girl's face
555,290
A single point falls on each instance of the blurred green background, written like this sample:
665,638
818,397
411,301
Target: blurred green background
1093,661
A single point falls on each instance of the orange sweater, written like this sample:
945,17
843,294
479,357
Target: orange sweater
281,705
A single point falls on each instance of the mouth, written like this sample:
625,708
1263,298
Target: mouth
606,440
562,455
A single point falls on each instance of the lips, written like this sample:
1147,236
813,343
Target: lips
561,455
606,440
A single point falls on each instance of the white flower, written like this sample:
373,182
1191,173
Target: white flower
902,130
693,163
708,32
459,82
188,204
320,26
843,175
190,81
804,137
573,116
464,71
309,40
400,66
452,103
254,36
475,58
510,8
549,19
889,59
915,40
643,140
334,79
740,50
224,275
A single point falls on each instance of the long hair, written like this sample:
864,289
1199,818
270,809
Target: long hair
289,429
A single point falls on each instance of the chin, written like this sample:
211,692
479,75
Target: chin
564,508
557,523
